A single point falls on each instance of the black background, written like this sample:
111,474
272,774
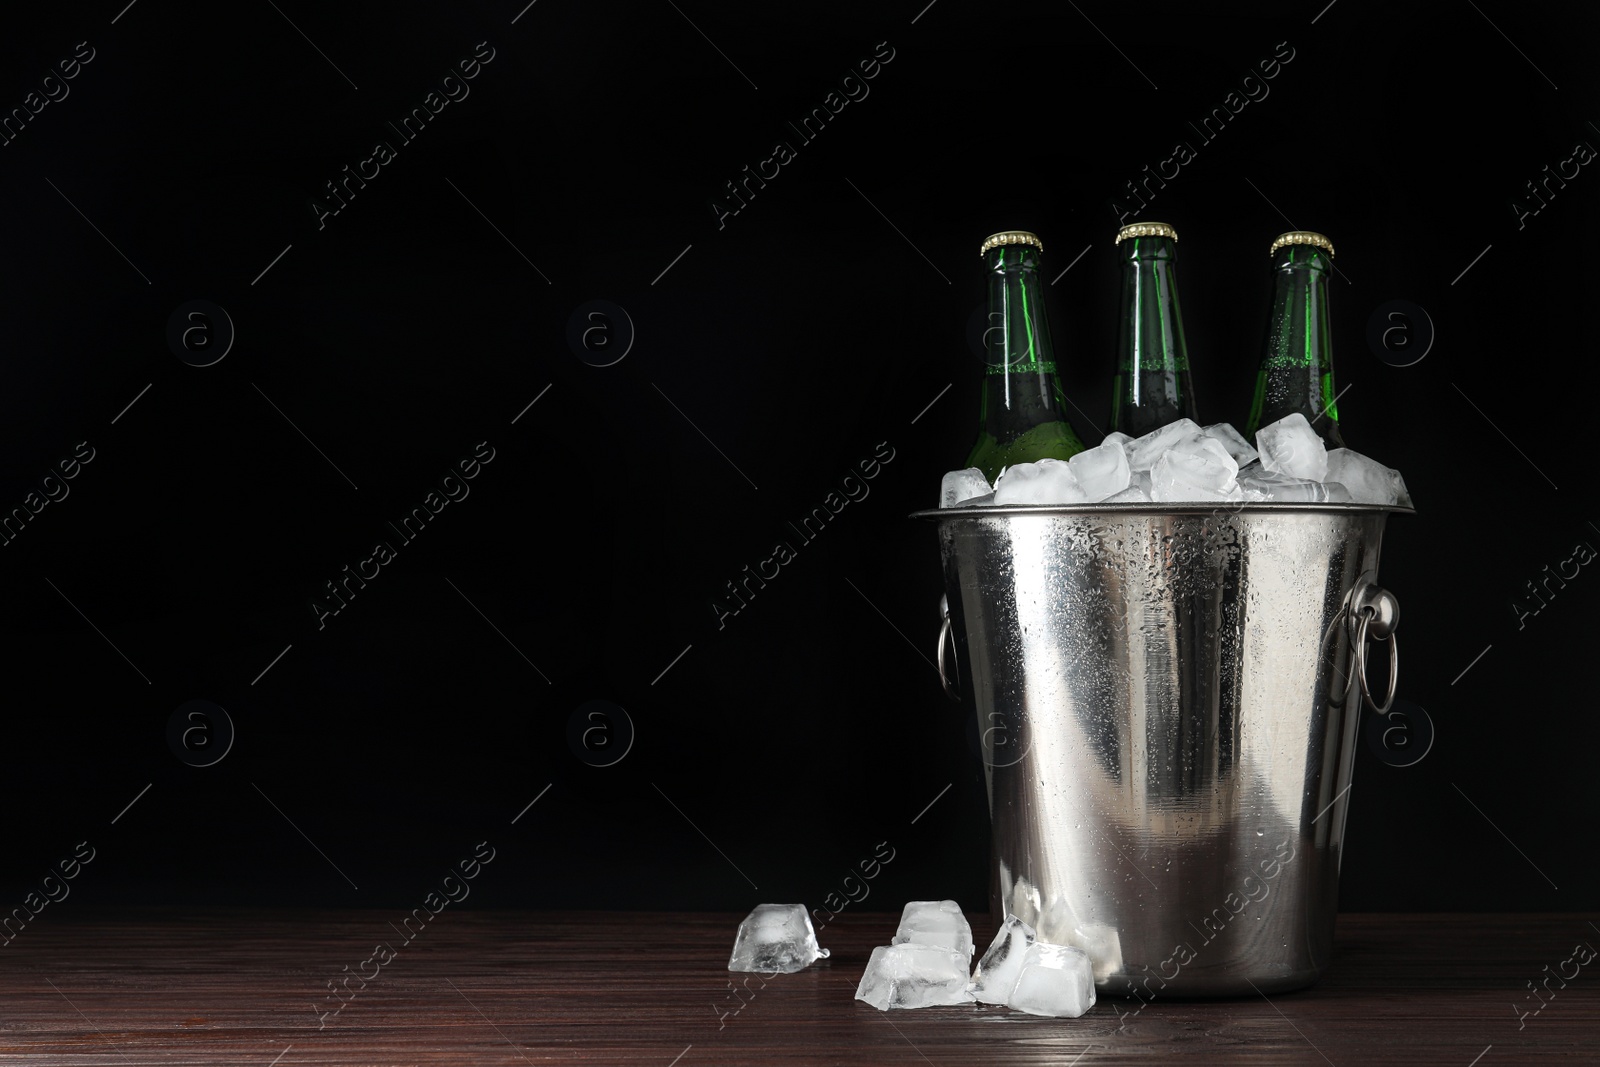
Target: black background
820,321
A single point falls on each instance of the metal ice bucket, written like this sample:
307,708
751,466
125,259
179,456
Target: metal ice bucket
1168,699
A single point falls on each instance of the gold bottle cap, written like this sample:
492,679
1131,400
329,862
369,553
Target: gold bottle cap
1011,237
1301,237
1145,229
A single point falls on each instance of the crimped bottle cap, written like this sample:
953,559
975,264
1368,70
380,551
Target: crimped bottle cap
1011,237
1146,229
1301,237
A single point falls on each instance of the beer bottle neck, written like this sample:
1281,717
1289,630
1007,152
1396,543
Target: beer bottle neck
1020,387
1297,365
1152,387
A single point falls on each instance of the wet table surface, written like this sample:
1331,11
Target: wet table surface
252,988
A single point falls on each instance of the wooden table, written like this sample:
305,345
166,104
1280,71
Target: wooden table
251,987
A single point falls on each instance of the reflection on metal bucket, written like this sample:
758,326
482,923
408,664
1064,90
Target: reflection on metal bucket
1168,699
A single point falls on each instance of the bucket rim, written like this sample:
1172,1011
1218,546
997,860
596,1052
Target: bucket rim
1158,508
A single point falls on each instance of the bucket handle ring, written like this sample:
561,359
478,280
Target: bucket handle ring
1377,613
945,630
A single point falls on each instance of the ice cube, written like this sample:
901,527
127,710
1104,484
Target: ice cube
983,501
1102,470
997,972
1290,446
1120,438
1200,444
960,486
1233,441
1144,451
1281,488
776,939
1131,495
1368,481
1055,980
1141,482
914,976
1206,473
935,922
1048,481
1103,944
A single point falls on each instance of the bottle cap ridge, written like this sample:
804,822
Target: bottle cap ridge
1301,237
1011,237
1146,229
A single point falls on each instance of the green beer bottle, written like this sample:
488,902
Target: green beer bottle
1023,415
1152,386
1297,364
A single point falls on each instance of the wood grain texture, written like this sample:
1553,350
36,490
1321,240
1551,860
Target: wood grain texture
92,988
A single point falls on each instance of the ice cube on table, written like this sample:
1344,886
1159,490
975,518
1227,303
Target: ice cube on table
961,486
1283,489
1233,441
935,922
1144,451
1047,481
914,976
1103,944
1055,980
997,972
776,939
1290,446
1204,474
1368,481
1102,470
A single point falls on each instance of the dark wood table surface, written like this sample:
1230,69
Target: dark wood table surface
251,988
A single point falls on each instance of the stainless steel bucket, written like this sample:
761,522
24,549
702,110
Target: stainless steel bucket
1168,699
